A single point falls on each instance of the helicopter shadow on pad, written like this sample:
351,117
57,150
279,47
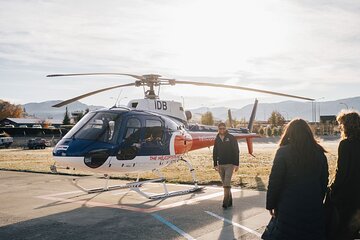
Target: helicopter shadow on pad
130,200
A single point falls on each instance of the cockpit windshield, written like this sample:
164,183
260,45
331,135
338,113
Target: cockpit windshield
99,126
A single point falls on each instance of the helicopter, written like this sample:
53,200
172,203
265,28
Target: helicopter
146,135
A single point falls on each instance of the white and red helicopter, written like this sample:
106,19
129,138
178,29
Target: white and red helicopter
147,135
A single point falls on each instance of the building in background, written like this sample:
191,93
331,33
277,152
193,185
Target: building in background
30,122
328,125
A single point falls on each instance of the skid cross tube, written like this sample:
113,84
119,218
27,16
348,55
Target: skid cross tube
131,185
166,193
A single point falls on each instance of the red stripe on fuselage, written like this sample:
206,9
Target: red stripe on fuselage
202,139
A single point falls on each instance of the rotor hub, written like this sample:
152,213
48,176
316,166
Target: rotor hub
151,80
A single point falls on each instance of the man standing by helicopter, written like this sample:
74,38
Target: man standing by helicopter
226,160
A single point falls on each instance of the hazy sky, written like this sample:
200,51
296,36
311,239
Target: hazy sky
297,47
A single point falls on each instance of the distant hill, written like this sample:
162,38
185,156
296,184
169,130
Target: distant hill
289,109
45,109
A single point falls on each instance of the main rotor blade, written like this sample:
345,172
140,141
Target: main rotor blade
241,88
89,74
91,93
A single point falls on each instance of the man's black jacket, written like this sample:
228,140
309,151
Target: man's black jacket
226,151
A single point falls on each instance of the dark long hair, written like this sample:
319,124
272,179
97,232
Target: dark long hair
303,145
350,122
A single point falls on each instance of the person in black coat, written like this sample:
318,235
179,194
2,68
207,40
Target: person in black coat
226,160
345,190
297,186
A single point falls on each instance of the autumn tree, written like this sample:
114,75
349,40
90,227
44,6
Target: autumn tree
207,118
10,110
45,123
276,119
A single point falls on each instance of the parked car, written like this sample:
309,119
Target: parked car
38,143
36,126
9,126
51,127
5,141
23,126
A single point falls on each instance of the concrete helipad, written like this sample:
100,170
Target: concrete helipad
43,206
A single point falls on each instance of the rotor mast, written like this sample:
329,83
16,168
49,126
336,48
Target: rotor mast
151,80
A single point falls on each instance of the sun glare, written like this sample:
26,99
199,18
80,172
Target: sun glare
224,36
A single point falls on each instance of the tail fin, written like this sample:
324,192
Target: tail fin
252,117
230,118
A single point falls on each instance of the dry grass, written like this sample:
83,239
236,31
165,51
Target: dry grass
253,172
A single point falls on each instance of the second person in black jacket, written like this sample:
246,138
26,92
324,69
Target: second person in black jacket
345,190
297,186
226,160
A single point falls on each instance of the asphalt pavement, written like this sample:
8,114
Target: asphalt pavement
45,206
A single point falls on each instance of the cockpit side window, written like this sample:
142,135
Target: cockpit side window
172,125
132,131
153,130
131,140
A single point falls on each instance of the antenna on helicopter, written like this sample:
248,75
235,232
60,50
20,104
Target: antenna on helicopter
117,99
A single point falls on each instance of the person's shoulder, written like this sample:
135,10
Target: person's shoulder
217,137
345,143
348,141
282,154
229,135
283,150
320,152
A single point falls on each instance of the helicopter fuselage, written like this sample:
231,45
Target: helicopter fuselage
122,140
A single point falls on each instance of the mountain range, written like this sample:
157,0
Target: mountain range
45,110
289,109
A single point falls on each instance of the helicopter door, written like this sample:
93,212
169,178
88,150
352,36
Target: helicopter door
153,141
131,140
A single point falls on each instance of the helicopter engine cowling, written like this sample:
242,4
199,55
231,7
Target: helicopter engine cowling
169,108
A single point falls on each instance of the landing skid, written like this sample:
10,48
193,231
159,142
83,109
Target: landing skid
132,185
166,193
135,186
